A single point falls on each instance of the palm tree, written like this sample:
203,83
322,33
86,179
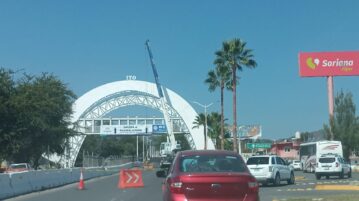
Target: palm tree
200,121
214,129
235,55
219,77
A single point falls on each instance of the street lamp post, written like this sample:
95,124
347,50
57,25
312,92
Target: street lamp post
205,120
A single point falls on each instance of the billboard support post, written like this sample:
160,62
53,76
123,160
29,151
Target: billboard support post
331,104
329,64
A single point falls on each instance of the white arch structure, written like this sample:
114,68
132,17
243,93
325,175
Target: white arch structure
101,100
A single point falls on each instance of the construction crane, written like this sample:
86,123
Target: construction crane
171,145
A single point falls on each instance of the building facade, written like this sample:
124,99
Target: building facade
287,149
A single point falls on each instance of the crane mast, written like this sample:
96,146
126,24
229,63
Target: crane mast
171,137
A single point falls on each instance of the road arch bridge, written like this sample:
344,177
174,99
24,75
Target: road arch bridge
99,101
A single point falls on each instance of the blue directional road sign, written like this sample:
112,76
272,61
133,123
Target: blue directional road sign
159,129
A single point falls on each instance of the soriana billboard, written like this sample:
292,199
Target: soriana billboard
316,64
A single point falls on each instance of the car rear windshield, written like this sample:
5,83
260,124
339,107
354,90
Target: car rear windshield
258,161
17,166
326,160
212,163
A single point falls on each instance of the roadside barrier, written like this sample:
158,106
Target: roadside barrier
130,178
5,186
15,184
20,182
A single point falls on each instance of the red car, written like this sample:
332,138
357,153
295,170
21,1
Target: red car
208,175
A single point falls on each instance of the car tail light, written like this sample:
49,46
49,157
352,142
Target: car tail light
175,185
336,164
253,185
270,168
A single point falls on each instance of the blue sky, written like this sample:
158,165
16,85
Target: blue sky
90,43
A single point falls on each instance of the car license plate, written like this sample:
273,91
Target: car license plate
326,168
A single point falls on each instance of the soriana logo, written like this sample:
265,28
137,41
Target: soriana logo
315,64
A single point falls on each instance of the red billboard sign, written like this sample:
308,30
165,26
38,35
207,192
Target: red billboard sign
318,64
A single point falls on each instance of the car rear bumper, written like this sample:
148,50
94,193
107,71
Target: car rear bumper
264,179
329,173
248,197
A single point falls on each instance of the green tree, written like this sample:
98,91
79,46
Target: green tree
345,125
235,55
215,128
200,121
220,77
44,107
304,137
9,140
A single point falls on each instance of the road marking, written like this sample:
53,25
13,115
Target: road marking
296,189
300,178
129,177
337,187
137,177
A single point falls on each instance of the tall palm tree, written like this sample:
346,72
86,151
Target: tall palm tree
214,129
235,55
219,77
200,121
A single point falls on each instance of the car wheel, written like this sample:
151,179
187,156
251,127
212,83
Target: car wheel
291,180
350,174
317,176
327,176
341,175
277,180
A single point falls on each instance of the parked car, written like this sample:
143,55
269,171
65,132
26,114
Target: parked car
19,167
270,169
208,175
332,165
296,165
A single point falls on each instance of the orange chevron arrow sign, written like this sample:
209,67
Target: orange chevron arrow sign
130,179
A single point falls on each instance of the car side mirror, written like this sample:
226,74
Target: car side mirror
161,173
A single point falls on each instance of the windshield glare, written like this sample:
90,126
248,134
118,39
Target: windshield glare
221,163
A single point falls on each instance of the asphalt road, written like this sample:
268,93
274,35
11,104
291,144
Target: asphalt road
307,186
105,189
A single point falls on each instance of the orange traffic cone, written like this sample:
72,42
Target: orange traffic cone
81,183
